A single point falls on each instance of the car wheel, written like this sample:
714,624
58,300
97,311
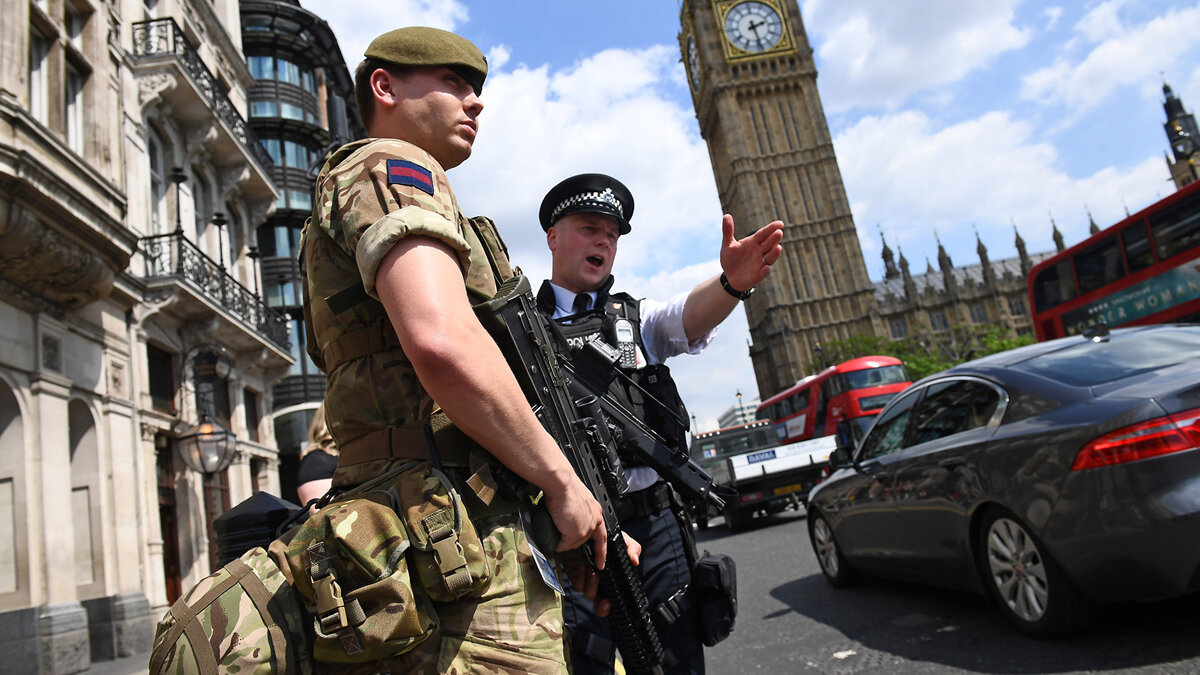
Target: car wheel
1030,589
833,565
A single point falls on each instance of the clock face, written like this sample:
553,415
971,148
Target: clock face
753,26
1183,146
693,62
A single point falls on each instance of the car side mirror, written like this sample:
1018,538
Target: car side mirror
840,458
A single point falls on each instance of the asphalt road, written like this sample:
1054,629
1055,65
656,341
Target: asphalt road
790,620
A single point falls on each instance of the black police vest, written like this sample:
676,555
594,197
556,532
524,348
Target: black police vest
664,414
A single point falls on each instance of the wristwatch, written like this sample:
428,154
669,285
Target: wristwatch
740,295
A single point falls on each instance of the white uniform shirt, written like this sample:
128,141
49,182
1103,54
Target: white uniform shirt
664,337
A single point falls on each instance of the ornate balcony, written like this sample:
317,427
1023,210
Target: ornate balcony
162,51
172,260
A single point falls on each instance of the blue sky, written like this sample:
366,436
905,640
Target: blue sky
949,117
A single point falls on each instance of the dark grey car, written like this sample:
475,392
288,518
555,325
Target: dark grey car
1051,477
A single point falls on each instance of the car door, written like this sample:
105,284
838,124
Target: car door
863,510
935,479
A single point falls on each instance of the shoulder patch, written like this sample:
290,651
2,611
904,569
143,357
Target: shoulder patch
404,172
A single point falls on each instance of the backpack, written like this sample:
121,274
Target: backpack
244,618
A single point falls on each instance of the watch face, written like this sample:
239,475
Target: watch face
693,62
753,26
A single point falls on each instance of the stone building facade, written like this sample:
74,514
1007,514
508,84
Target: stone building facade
301,107
133,190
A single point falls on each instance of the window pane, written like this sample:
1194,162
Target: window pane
1177,228
951,408
299,199
1098,265
264,109
1137,247
1053,286
262,67
888,433
291,112
288,72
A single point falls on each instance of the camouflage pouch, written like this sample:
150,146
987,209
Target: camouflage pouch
369,565
244,618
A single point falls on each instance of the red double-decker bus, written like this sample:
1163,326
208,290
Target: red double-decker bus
1143,270
855,390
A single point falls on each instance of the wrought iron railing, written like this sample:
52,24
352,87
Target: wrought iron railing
173,256
163,36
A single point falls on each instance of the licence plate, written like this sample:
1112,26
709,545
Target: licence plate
787,489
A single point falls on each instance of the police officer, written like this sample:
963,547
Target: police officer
584,217
390,262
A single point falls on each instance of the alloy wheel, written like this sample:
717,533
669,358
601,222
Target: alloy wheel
1017,570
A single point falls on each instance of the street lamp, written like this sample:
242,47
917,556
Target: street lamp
254,255
177,176
207,447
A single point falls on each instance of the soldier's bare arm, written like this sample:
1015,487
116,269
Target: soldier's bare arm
458,363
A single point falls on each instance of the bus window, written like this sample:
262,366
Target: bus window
1177,229
1053,286
800,401
1138,255
873,377
1098,264
822,408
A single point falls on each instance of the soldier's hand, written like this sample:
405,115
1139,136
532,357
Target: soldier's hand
578,518
586,580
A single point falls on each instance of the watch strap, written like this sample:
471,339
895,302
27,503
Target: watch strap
740,295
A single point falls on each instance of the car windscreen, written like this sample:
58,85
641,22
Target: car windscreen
1091,363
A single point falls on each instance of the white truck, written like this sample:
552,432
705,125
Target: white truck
767,480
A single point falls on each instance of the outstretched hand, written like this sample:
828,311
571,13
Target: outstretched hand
746,262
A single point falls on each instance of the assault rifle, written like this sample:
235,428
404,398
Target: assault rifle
590,425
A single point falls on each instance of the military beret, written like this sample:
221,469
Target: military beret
425,46
588,192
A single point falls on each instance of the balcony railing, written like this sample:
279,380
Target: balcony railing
173,256
163,37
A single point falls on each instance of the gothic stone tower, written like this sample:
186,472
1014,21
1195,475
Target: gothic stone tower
754,85
1184,136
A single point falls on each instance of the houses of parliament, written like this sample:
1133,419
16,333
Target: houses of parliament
754,84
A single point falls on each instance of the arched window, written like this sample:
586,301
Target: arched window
158,185
12,498
85,497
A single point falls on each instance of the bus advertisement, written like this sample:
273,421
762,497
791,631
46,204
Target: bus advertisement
1142,270
855,390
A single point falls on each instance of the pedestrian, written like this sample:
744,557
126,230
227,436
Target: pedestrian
392,267
584,218
318,460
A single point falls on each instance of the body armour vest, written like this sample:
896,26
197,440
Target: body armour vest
665,413
370,384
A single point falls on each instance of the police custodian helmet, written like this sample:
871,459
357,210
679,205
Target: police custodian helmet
588,192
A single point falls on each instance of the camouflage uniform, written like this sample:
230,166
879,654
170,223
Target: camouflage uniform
370,194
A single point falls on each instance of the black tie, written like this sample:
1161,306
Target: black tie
582,301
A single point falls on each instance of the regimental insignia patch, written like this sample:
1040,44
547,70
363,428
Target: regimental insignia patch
404,172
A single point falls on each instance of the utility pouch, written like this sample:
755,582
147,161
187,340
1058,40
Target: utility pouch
714,588
369,565
447,552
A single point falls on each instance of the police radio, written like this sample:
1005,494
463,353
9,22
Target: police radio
623,332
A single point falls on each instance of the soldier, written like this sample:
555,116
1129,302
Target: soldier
583,217
392,268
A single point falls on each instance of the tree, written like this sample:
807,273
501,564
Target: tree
926,354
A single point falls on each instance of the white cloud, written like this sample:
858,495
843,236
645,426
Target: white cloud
1122,56
987,172
1052,14
358,22
877,54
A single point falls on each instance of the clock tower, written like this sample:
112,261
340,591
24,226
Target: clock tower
754,85
1184,137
